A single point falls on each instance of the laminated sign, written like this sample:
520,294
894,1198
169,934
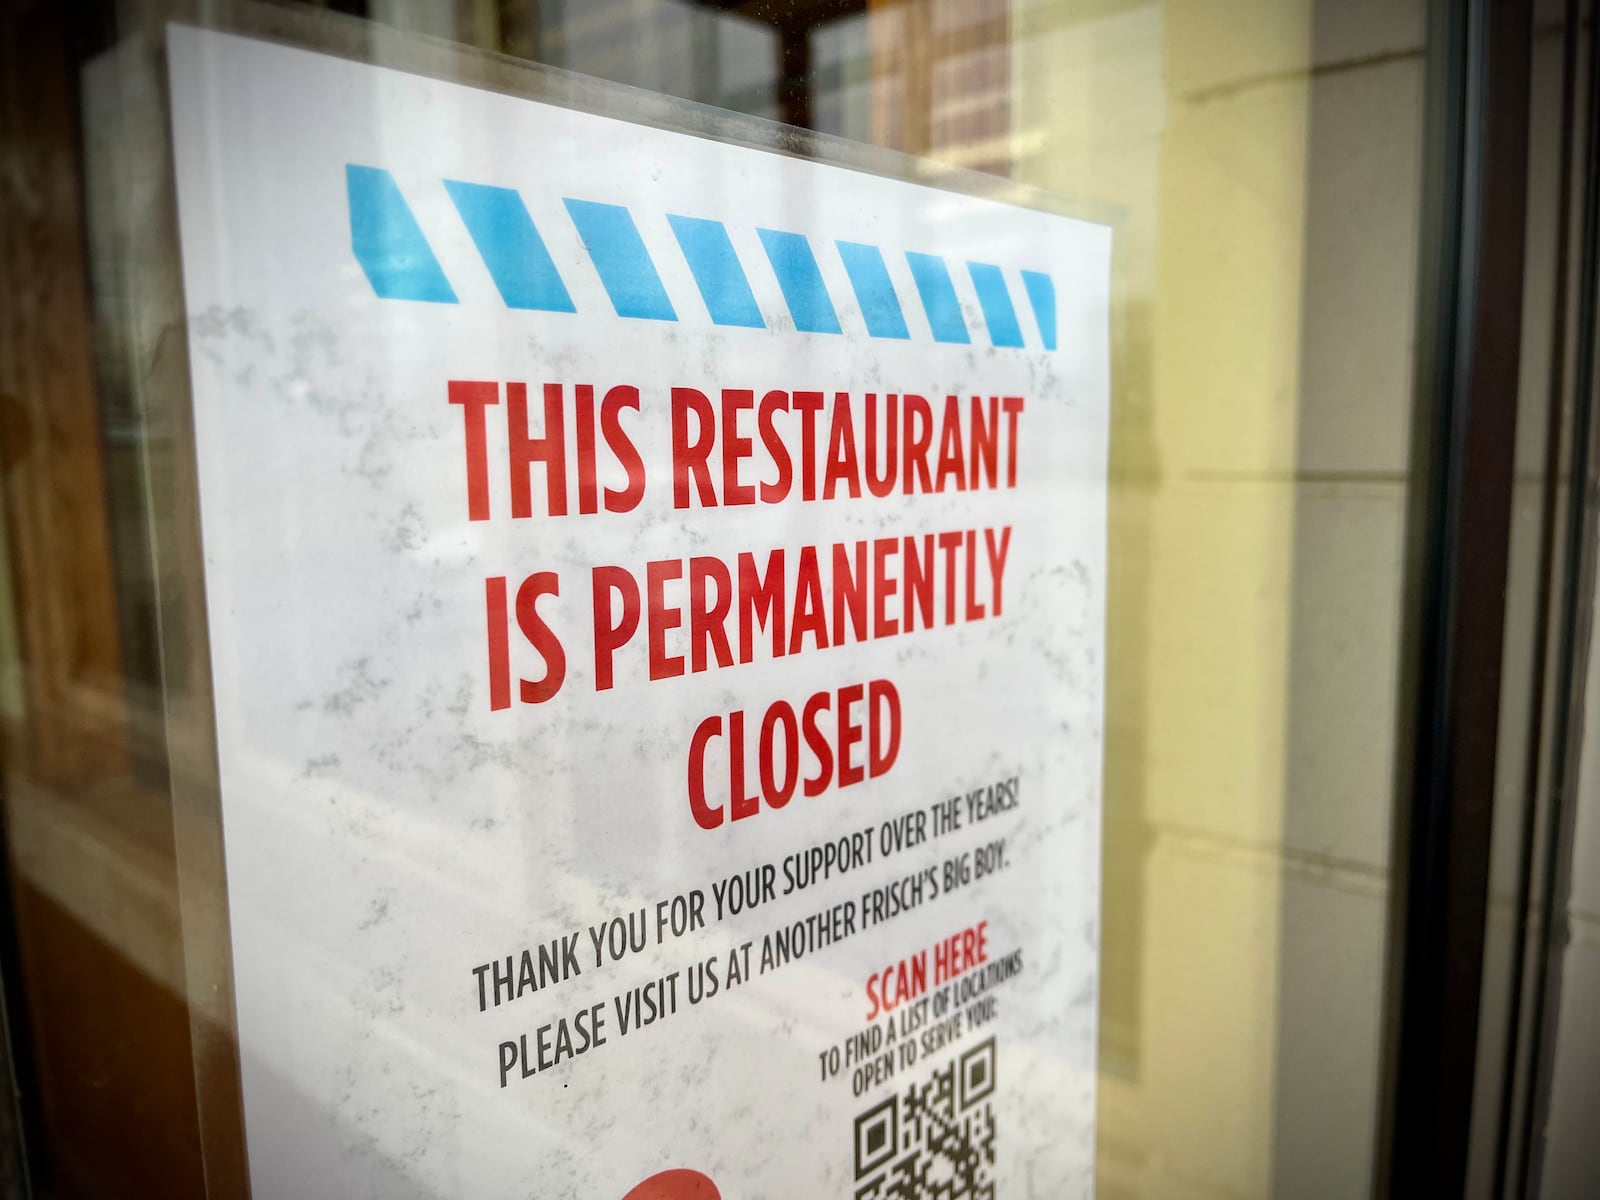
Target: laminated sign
656,597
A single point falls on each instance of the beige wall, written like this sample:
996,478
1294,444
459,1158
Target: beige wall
1571,1150
1267,158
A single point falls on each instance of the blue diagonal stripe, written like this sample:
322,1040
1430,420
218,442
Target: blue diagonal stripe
998,313
938,298
511,246
717,273
1042,295
388,242
880,307
801,281
624,266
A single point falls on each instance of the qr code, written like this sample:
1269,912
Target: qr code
935,1140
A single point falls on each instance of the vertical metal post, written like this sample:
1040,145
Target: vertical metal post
1463,436
1574,631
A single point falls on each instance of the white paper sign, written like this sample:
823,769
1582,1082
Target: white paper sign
656,598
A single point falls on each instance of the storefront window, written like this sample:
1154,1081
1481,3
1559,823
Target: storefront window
665,600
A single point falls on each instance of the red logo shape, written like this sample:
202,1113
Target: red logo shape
678,1184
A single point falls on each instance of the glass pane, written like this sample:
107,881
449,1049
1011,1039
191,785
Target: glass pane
1259,167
